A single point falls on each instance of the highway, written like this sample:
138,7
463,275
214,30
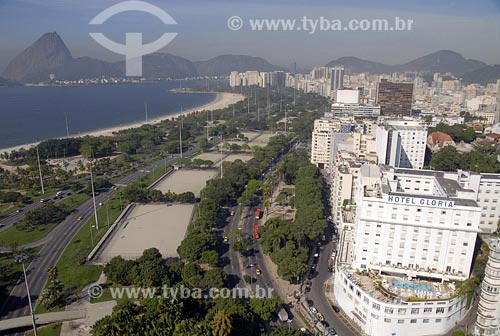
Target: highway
17,303
15,217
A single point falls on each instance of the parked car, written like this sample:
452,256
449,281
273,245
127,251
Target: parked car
313,310
320,317
331,331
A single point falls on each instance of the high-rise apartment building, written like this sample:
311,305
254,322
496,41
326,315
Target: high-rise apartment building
395,99
401,143
323,139
234,79
253,78
336,78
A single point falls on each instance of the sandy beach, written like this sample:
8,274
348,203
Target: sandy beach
221,100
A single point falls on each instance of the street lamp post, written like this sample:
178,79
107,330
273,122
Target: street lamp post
32,312
93,196
40,169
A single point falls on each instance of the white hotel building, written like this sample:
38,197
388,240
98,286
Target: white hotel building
408,235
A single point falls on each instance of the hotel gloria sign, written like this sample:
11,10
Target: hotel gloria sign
428,202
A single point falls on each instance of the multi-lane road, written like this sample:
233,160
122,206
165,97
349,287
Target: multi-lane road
17,303
318,296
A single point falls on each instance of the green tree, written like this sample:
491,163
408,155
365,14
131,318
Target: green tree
282,331
215,278
52,295
265,307
210,257
151,269
120,271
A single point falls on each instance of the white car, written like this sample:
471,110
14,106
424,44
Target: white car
313,310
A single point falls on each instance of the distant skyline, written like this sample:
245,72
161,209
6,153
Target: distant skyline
470,28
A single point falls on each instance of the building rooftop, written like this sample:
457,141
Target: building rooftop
393,289
491,176
451,188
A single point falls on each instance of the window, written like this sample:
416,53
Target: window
438,320
387,320
389,310
414,311
402,311
427,310
426,320
440,310
376,306
413,321
401,321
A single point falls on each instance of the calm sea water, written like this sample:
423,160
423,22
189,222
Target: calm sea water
28,114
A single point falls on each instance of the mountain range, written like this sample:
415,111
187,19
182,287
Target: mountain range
442,61
49,55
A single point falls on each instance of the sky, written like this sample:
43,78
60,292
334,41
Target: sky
468,27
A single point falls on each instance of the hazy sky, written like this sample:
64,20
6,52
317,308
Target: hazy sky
469,27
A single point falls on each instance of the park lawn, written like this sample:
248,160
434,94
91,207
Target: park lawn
50,330
74,201
13,236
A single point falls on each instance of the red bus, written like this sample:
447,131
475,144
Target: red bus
256,232
258,213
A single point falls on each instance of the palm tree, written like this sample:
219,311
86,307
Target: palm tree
221,323
267,205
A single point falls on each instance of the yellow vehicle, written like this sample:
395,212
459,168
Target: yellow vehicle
80,218
320,317
226,239
258,271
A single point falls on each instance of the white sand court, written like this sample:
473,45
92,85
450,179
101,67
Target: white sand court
184,180
212,156
150,225
234,157
262,140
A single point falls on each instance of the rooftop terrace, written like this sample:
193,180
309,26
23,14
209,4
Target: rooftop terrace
393,289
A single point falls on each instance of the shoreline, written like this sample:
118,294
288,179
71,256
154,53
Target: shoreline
221,100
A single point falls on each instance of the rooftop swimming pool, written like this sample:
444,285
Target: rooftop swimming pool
412,285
